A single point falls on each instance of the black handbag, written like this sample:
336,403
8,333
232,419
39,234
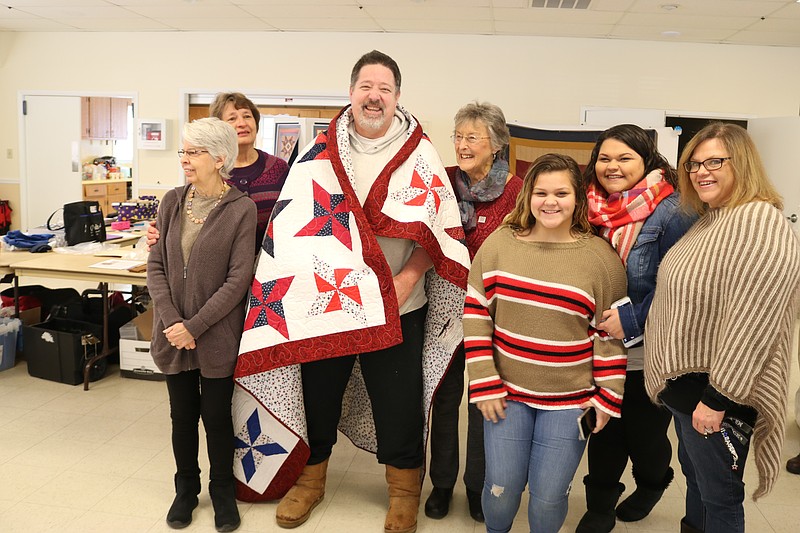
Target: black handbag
83,222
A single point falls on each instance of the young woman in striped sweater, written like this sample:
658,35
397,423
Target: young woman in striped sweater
537,288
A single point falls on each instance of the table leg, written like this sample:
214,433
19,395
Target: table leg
106,351
16,296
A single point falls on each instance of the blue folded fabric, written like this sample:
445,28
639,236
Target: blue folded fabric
22,240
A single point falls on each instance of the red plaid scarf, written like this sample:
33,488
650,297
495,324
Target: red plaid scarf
619,216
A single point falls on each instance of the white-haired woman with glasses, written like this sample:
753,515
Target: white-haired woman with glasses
198,276
720,327
486,193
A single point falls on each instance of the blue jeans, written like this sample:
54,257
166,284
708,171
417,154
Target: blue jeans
533,446
714,491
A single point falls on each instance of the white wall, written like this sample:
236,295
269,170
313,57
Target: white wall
535,80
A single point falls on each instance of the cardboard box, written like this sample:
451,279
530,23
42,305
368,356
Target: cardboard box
58,349
135,360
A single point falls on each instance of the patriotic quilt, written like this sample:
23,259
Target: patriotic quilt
322,289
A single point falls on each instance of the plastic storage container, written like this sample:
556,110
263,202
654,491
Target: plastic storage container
9,330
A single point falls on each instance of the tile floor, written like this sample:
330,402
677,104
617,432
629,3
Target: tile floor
100,461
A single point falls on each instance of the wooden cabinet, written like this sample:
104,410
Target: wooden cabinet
103,117
106,193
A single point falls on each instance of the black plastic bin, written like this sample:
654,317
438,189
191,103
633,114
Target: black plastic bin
58,349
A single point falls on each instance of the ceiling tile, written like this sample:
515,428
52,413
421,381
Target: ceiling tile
115,24
139,3
611,5
22,4
650,33
219,24
35,24
564,16
195,11
431,13
323,24
791,11
66,11
552,29
767,38
296,11
511,3
686,21
743,8
477,26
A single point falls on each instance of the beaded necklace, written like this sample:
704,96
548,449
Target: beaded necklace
190,200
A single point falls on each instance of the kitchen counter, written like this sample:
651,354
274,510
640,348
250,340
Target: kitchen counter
117,180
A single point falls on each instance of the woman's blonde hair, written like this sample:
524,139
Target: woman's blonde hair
750,181
521,218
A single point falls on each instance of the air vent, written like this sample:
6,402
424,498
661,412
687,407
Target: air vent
561,4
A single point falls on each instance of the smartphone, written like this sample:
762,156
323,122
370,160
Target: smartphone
586,423
627,341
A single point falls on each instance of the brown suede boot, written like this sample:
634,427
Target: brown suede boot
405,486
307,492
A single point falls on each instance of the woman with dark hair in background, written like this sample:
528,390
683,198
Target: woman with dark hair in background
256,173
634,206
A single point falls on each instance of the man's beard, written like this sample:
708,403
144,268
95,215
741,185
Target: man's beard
369,123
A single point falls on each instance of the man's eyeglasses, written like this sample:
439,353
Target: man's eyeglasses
471,139
715,163
191,153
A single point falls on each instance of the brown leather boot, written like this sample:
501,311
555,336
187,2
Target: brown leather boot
405,486
307,492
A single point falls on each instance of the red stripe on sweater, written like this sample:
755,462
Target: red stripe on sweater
542,351
569,300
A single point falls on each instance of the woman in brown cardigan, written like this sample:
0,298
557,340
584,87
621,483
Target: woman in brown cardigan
198,276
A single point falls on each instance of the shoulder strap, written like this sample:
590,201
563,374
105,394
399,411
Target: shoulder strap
51,218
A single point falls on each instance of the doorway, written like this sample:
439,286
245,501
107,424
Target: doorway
51,152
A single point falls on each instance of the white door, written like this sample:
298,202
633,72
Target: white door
52,174
778,142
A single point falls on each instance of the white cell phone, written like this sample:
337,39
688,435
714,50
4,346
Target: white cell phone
627,341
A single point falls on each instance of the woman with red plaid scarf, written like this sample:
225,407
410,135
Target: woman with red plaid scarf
634,206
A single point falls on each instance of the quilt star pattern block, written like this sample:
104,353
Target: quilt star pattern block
426,189
268,245
331,217
252,446
337,290
265,305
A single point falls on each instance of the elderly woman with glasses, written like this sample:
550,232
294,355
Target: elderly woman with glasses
198,276
719,331
486,193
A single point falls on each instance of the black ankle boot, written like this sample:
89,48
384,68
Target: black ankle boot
223,498
186,490
639,504
686,528
475,506
601,498
438,503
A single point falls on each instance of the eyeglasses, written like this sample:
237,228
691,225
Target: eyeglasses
191,153
471,139
714,163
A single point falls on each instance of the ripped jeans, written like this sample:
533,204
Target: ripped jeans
533,446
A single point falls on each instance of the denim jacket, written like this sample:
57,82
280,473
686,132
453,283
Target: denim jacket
660,231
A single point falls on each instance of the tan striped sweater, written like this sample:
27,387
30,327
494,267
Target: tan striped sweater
529,321
725,303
